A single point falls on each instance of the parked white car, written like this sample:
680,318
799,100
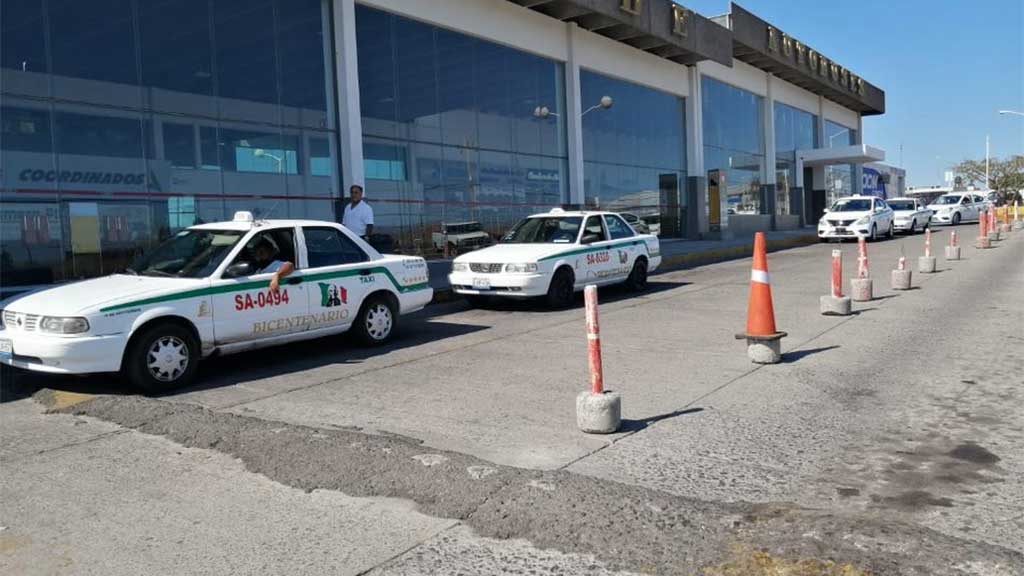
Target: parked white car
460,237
202,292
957,207
856,217
556,254
910,213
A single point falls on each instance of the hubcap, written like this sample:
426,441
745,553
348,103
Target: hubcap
167,358
378,321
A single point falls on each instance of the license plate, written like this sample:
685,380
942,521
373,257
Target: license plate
6,347
481,283
840,230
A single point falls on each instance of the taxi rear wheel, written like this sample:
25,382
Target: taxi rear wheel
560,291
637,280
162,358
377,321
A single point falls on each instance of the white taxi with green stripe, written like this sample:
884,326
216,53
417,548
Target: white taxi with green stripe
204,292
556,254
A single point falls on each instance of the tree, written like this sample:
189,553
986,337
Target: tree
1005,176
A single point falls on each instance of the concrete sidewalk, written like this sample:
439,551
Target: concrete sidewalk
676,253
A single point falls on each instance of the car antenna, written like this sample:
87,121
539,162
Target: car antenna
264,218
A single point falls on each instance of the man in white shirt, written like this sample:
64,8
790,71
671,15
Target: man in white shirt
358,216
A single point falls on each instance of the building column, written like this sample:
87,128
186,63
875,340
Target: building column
573,121
350,126
697,224
858,169
768,190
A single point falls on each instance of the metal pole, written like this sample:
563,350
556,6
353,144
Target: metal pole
593,340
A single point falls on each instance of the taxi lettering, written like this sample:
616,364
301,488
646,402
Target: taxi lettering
261,300
598,258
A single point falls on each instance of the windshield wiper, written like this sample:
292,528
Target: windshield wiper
131,271
155,272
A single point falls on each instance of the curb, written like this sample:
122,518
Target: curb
684,261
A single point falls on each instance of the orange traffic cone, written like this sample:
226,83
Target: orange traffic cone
763,340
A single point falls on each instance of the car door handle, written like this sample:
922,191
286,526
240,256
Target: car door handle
295,280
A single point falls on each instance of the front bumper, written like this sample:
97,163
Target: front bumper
509,285
852,231
943,218
63,354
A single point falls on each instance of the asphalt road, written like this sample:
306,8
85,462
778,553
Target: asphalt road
887,442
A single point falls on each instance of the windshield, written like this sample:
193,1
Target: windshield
543,230
901,204
189,254
945,200
852,206
462,228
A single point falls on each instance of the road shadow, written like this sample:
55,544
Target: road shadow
218,372
607,295
859,312
797,355
637,425
886,297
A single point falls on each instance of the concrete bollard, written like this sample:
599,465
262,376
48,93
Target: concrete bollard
861,287
1018,224
900,279
983,240
835,304
926,263
598,411
953,250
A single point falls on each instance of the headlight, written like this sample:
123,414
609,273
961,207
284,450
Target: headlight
64,324
823,222
863,220
521,268
459,266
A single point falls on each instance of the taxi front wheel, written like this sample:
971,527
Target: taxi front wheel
161,358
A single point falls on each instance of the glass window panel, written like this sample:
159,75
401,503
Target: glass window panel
25,129
31,240
245,55
93,40
23,27
377,98
456,96
179,145
209,148
301,43
98,134
492,90
178,57
417,80
320,161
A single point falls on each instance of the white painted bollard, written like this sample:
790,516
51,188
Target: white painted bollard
926,263
598,411
835,304
861,287
953,250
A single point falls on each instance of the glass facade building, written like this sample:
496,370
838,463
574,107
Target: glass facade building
634,153
450,133
123,121
734,157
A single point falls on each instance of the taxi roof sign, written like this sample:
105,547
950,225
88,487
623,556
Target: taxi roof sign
243,216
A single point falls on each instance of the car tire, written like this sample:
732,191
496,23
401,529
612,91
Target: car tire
377,321
160,358
956,219
874,233
561,289
913,227
637,279
892,230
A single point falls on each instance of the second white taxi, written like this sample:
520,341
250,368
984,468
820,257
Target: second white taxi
556,254
205,291
911,214
857,217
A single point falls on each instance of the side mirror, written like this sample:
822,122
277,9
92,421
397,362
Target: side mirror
591,238
239,269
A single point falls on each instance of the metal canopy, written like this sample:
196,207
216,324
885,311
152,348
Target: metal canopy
856,154
649,25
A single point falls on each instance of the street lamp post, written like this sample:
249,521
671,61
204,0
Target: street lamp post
605,103
260,153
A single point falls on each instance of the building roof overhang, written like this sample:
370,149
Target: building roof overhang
764,46
660,27
856,154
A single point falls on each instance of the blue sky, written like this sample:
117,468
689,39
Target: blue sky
946,67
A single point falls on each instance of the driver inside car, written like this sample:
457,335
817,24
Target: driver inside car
266,253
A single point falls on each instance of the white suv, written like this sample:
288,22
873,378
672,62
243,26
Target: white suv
856,217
